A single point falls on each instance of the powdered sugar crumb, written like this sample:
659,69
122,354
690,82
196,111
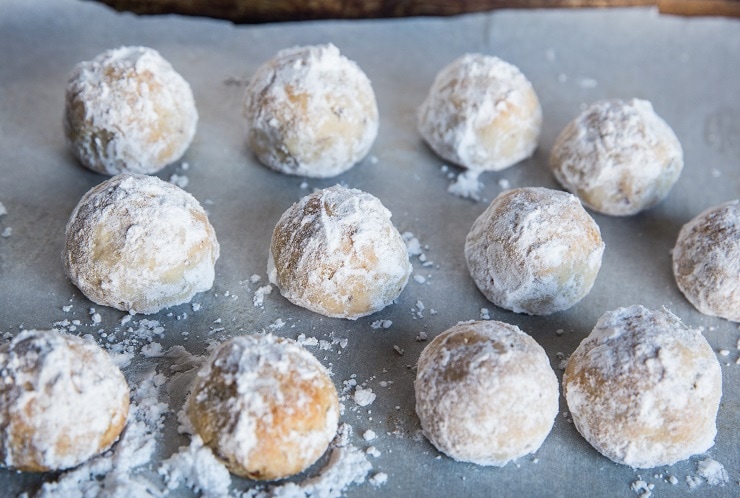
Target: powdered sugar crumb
712,471
467,185
259,296
364,397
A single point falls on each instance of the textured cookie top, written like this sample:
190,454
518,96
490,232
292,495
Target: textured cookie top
337,253
128,110
643,388
310,111
706,261
265,405
485,392
619,157
137,243
482,113
62,400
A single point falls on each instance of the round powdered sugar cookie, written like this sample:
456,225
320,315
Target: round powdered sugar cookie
481,113
310,111
62,401
337,253
619,157
265,406
139,244
706,261
534,250
485,393
644,389
128,111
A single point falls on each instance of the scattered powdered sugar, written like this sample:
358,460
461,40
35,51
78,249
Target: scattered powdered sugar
179,180
467,185
198,468
713,472
363,397
381,324
642,488
259,296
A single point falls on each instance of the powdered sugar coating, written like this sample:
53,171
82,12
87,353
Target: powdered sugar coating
485,393
310,111
139,244
265,406
62,401
644,389
481,113
128,111
534,251
619,157
706,261
337,253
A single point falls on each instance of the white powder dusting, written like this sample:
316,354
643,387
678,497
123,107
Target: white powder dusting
369,435
419,279
7,232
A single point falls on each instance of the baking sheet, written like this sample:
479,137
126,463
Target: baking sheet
688,68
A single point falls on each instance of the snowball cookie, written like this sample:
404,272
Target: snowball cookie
128,111
139,244
643,388
485,393
481,113
534,251
310,112
336,253
265,406
706,261
619,157
62,401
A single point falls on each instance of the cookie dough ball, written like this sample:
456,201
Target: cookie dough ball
706,261
481,113
534,251
265,406
644,389
128,111
619,157
310,112
139,244
485,393
336,253
62,401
